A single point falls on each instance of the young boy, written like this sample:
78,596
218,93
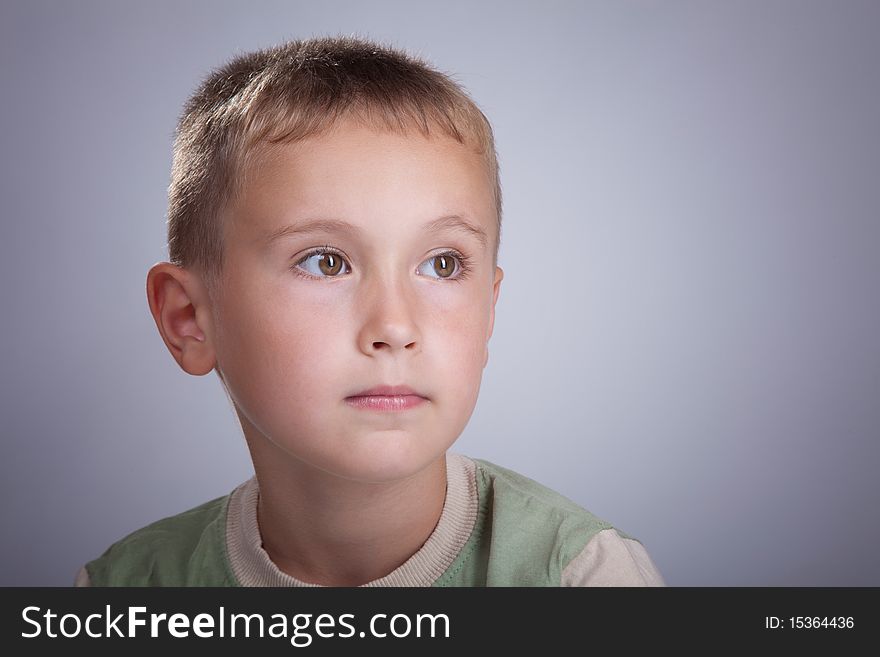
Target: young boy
334,222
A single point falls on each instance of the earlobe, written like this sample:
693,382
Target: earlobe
179,305
496,290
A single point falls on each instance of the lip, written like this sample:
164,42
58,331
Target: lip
387,391
386,398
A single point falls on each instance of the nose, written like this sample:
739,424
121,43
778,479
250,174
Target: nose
389,319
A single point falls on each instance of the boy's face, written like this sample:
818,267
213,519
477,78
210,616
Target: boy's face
298,334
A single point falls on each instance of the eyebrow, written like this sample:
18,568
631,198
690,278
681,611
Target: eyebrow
447,222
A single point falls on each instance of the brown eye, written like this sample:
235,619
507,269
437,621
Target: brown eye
322,264
444,265
330,264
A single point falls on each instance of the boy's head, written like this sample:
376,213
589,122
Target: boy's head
334,225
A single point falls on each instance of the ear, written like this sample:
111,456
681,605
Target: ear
496,289
181,307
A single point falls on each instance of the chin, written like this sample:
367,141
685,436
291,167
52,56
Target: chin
390,461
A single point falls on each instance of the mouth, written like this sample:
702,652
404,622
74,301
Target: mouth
386,398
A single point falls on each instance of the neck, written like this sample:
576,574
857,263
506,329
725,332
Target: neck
324,529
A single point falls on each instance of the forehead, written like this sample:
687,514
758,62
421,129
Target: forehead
377,181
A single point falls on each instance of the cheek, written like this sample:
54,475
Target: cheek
273,352
462,333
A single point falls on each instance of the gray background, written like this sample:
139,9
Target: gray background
686,341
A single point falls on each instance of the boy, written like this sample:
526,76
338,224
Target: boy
334,222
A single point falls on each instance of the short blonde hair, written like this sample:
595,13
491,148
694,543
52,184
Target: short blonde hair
290,92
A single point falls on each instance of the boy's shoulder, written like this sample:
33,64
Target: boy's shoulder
527,534
186,549
529,501
515,485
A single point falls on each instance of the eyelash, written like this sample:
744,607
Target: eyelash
464,263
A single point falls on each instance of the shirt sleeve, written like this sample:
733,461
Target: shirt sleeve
82,578
608,559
